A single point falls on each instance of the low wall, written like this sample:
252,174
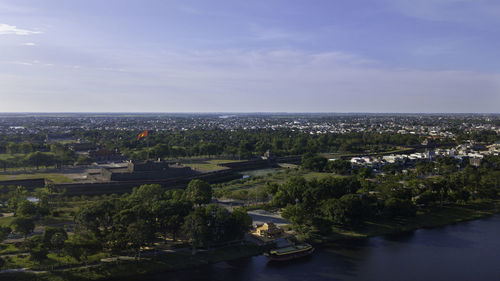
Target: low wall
115,187
125,186
29,184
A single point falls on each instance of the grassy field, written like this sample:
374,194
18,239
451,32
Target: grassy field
245,188
207,165
4,156
5,221
204,167
222,161
57,178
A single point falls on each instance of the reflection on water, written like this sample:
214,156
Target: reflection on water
466,251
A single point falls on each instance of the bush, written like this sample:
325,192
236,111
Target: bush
395,207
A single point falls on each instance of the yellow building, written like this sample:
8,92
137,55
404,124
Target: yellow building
268,230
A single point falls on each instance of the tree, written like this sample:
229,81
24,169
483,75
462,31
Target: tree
25,148
314,163
350,209
55,237
26,209
138,234
12,148
298,216
3,164
84,160
97,217
199,192
34,159
239,223
427,198
24,225
80,245
339,166
399,207
57,242
170,215
4,232
38,253
195,228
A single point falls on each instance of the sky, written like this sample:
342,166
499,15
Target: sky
250,56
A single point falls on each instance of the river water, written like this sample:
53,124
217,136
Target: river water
465,251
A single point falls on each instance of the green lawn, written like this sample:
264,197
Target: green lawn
4,156
6,249
207,165
57,178
258,179
222,161
5,221
204,167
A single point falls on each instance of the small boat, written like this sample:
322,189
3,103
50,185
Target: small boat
289,252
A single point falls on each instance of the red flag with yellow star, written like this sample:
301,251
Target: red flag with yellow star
142,135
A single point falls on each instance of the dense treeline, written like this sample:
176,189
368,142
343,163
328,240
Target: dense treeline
243,144
231,143
56,156
124,224
313,206
150,212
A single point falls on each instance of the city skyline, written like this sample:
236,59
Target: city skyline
259,56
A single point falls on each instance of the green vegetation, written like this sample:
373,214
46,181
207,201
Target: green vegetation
123,269
204,166
428,218
362,203
260,183
149,217
54,177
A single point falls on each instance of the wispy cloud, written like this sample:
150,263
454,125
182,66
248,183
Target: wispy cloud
239,80
29,44
6,29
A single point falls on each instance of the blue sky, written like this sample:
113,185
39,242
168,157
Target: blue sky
250,56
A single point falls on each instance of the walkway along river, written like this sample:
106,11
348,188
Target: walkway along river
465,251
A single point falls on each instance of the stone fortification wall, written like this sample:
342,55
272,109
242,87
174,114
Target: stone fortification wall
29,184
116,187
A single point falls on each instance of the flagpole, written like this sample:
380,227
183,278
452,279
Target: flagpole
147,143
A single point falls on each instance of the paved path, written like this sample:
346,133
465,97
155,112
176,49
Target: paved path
262,216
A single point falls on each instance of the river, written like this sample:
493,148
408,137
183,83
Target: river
465,251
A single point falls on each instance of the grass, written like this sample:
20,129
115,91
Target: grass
208,165
53,261
6,249
56,178
259,178
222,161
5,156
204,167
6,221
317,175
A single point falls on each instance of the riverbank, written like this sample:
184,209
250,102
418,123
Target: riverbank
132,270
430,218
